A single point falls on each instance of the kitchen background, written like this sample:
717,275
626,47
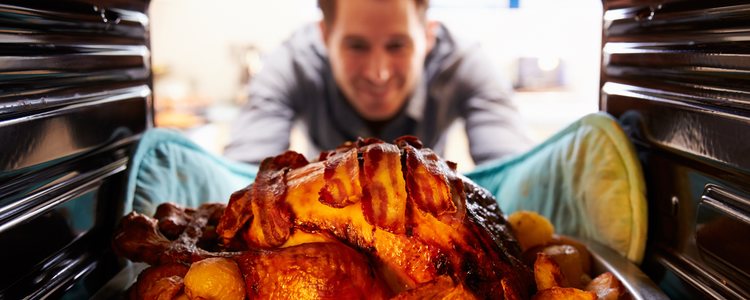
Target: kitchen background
204,53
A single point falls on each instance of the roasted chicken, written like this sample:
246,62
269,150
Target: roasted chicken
367,220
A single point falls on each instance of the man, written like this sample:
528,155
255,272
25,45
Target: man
376,68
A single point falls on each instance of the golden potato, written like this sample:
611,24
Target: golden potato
607,287
582,250
546,272
559,293
214,278
570,262
531,229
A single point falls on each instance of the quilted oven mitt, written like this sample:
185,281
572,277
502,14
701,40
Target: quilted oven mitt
168,167
586,179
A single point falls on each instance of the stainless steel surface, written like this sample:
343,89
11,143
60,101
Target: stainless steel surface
722,228
677,75
638,284
69,130
33,205
75,95
117,287
670,121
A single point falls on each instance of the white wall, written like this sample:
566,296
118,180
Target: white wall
194,38
570,30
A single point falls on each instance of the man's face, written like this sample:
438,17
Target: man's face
377,50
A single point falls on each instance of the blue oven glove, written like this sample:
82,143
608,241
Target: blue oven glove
168,167
586,179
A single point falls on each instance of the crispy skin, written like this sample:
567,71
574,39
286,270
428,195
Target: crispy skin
139,238
427,182
329,270
369,220
272,220
310,271
341,175
237,213
160,282
262,204
384,189
173,219
442,287
547,273
417,219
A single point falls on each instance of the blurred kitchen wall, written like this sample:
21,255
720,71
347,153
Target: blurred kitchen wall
204,50
198,40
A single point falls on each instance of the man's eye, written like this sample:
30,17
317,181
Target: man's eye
357,46
395,46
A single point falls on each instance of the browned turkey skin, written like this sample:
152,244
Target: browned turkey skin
416,227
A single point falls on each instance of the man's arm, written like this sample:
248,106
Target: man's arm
493,124
264,123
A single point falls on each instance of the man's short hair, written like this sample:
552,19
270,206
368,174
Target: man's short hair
328,7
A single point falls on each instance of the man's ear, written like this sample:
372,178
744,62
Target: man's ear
324,31
431,29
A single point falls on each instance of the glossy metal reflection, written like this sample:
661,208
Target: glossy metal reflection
676,74
75,93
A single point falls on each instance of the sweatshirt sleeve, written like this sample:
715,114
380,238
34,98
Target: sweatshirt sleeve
263,125
494,126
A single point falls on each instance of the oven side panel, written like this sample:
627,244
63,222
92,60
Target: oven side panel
677,75
75,95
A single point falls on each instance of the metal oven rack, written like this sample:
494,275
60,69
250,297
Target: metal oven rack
677,74
75,93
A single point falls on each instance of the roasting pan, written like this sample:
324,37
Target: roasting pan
604,259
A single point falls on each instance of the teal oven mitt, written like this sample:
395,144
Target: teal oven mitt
168,167
586,179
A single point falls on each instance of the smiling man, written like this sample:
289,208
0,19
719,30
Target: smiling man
376,68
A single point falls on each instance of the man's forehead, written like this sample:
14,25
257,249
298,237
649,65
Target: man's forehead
353,37
365,16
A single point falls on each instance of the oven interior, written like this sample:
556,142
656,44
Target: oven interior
75,94
75,82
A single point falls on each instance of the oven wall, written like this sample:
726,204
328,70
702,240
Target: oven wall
677,75
75,94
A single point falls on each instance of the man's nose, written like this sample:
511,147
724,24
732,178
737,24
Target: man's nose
378,68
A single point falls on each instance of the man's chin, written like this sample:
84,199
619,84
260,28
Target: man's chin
378,115
376,118
377,109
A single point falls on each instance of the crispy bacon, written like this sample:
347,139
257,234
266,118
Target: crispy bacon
384,191
341,176
237,213
427,183
272,222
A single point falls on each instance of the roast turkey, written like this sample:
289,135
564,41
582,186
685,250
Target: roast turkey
369,219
